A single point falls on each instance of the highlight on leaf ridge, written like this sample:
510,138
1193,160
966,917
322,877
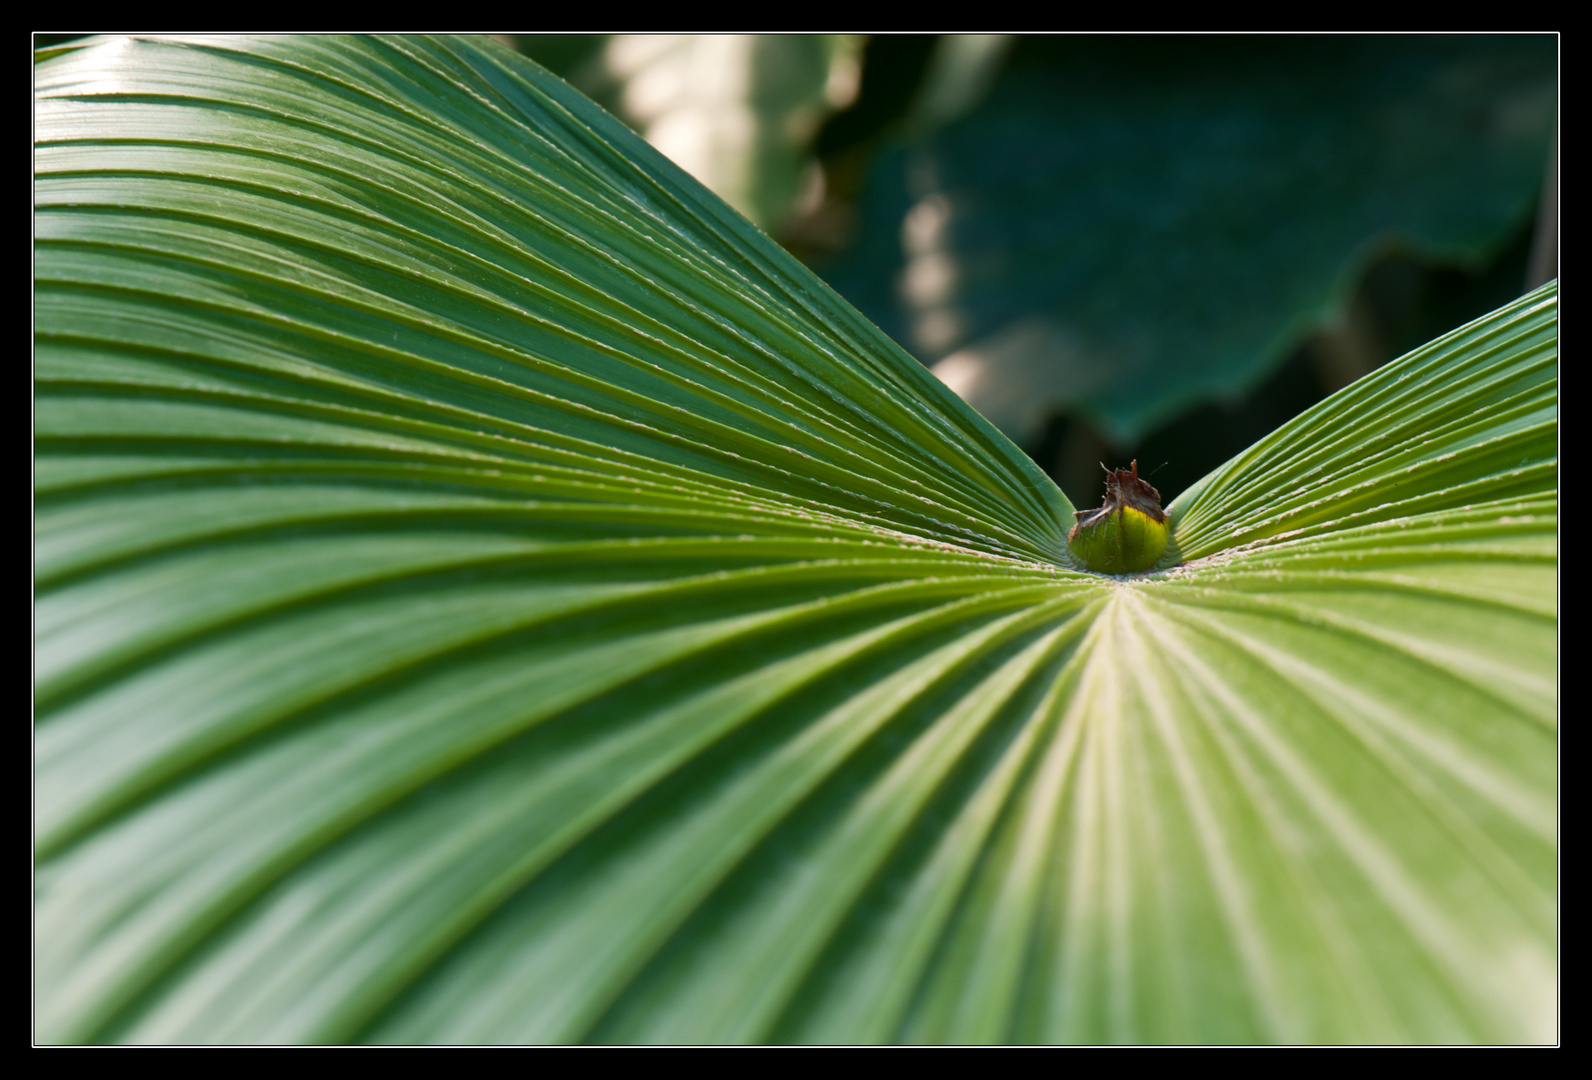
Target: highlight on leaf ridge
486,591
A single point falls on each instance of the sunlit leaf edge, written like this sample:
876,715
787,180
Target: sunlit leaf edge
939,712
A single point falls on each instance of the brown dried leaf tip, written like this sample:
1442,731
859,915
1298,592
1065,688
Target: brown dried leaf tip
1123,488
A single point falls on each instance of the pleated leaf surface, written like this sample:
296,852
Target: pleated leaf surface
486,591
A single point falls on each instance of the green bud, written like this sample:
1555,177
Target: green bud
1126,534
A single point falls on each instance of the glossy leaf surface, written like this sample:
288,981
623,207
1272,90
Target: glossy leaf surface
486,591
736,111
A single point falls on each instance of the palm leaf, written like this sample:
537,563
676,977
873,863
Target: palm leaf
487,591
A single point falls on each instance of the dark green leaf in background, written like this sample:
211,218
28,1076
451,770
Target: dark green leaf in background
1127,227
487,591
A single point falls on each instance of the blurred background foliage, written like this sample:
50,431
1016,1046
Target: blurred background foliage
1115,247
1159,247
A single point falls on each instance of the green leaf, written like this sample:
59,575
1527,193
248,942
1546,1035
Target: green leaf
487,591
736,111
1130,227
